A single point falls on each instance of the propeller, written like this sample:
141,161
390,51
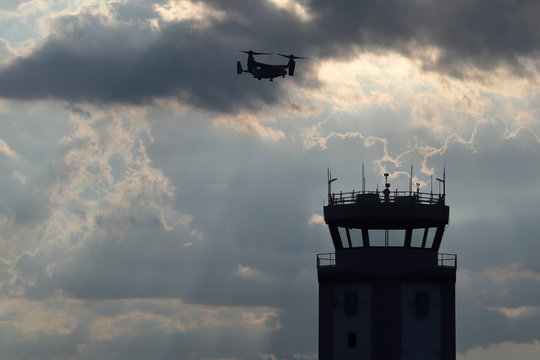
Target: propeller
291,65
251,52
292,57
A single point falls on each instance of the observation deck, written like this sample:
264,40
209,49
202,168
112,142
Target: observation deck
402,228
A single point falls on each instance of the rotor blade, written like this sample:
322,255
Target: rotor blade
254,52
293,56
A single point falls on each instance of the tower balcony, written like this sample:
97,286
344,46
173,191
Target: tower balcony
393,263
444,260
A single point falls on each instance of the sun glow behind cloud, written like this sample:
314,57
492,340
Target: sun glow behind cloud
433,101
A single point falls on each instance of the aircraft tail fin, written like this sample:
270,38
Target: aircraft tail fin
238,67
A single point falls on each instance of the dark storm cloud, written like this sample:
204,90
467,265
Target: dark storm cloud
90,59
480,33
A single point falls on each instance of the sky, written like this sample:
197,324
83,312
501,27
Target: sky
155,204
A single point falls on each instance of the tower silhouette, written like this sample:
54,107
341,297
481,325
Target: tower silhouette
386,293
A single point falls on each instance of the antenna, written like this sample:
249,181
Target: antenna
363,179
410,181
443,181
431,191
330,181
386,190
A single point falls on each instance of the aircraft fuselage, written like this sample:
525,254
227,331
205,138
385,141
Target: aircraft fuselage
267,72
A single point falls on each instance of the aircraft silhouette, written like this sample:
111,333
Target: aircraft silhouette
261,70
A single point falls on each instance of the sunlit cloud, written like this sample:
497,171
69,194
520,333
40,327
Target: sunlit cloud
26,8
316,219
37,17
305,356
55,316
268,319
6,150
267,356
61,316
492,287
296,7
182,10
251,124
436,102
19,176
251,273
503,351
516,313
313,137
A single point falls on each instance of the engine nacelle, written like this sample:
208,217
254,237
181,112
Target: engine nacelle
291,66
238,67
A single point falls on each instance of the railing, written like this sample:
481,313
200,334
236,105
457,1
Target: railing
370,197
447,260
443,260
326,259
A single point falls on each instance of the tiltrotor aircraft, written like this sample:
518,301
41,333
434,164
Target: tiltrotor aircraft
261,70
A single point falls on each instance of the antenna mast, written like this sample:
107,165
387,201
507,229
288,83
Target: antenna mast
410,181
330,180
363,180
443,181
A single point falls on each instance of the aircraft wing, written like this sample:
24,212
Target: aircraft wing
266,66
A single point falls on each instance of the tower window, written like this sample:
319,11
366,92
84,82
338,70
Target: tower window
351,303
417,237
343,236
351,340
430,237
422,303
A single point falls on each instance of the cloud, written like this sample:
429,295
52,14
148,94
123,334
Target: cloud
90,57
316,219
128,193
519,312
6,150
60,326
181,10
504,350
137,52
147,232
5,51
248,123
478,41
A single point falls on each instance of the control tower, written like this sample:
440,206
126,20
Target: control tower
386,293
